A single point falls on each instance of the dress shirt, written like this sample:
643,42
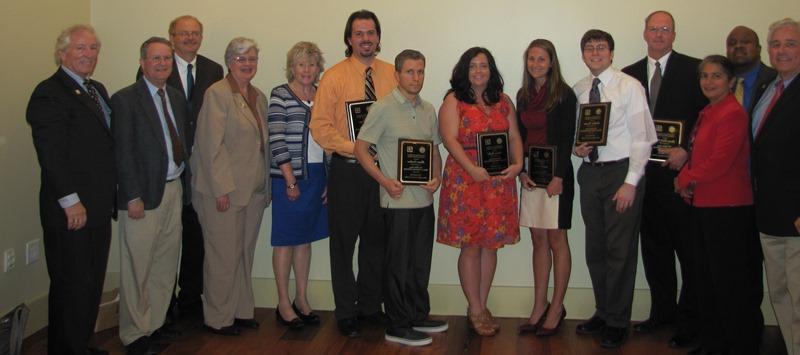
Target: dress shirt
749,84
340,84
173,170
183,67
631,131
651,67
763,103
73,198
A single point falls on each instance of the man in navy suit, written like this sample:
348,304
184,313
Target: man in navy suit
752,76
671,82
775,169
69,116
148,125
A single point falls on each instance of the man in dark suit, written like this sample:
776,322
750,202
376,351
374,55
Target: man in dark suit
775,168
671,82
148,126
69,117
752,76
191,74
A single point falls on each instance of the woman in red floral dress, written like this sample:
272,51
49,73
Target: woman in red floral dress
477,212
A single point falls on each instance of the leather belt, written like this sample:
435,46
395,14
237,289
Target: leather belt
344,159
601,164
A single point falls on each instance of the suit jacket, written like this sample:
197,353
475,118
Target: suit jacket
765,76
142,159
227,158
75,149
679,98
776,165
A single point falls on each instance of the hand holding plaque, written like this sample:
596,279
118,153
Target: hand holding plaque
670,135
592,126
493,152
541,164
356,115
414,161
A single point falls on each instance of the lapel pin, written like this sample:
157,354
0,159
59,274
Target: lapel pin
77,92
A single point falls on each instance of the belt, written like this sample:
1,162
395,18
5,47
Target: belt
174,179
601,164
344,159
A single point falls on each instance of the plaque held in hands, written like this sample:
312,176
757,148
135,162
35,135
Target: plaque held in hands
493,152
414,161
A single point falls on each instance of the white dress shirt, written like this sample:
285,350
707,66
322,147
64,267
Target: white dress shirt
631,131
651,67
183,67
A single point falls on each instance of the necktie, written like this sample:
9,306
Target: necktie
177,147
655,86
739,91
594,97
778,92
369,86
93,94
189,82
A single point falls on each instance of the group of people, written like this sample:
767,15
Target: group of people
189,159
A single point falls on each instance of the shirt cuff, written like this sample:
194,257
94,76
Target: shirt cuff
69,200
134,200
632,178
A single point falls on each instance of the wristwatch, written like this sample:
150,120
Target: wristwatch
291,186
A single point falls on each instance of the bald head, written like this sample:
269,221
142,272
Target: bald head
743,49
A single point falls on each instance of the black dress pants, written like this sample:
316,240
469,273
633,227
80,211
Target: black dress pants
190,277
355,215
76,264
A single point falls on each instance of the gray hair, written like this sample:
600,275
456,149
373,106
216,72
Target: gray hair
787,22
238,46
304,50
64,38
151,40
405,55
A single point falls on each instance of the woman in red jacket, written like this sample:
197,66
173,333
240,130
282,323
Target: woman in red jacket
716,182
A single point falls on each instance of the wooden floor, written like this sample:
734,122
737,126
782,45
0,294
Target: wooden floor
271,338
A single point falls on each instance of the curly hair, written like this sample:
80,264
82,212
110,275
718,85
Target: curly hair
462,88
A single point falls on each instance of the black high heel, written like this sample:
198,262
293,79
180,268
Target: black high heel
532,328
294,324
546,332
308,319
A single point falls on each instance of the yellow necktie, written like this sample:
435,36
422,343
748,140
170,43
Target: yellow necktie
739,90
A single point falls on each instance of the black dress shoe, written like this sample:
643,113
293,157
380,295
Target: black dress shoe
96,351
230,330
697,351
349,327
294,324
593,326
145,346
166,333
681,340
613,337
649,325
246,323
308,319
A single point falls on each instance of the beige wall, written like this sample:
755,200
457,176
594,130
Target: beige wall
28,30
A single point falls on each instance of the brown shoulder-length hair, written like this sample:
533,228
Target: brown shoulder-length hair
554,85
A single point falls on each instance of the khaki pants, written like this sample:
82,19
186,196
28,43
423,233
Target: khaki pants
149,252
782,262
230,242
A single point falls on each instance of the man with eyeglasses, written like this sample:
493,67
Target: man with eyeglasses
354,212
148,127
670,81
611,182
192,74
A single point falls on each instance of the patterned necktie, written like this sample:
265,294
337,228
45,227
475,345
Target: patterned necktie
594,97
177,147
369,86
739,91
778,92
189,82
655,86
93,94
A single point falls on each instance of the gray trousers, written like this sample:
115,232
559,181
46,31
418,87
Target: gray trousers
611,240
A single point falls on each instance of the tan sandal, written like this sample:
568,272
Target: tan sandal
489,319
476,323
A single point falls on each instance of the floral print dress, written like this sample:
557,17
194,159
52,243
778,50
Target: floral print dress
474,213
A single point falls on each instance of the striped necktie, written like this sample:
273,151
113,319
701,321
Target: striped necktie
369,86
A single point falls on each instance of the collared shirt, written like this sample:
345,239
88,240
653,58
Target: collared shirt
173,170
73,198
631,131
763,103
389,119
340,84
651,67
749,84
183,67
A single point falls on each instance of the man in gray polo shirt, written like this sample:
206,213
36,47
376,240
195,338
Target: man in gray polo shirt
408,208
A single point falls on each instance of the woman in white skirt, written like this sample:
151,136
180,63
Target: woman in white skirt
546,117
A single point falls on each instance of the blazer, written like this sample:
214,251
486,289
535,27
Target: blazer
142,159
765,76
776,165
75,150
561,122
720,156
227,158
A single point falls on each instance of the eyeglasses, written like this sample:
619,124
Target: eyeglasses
242,59
159,59
598,48
662,29
188,34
